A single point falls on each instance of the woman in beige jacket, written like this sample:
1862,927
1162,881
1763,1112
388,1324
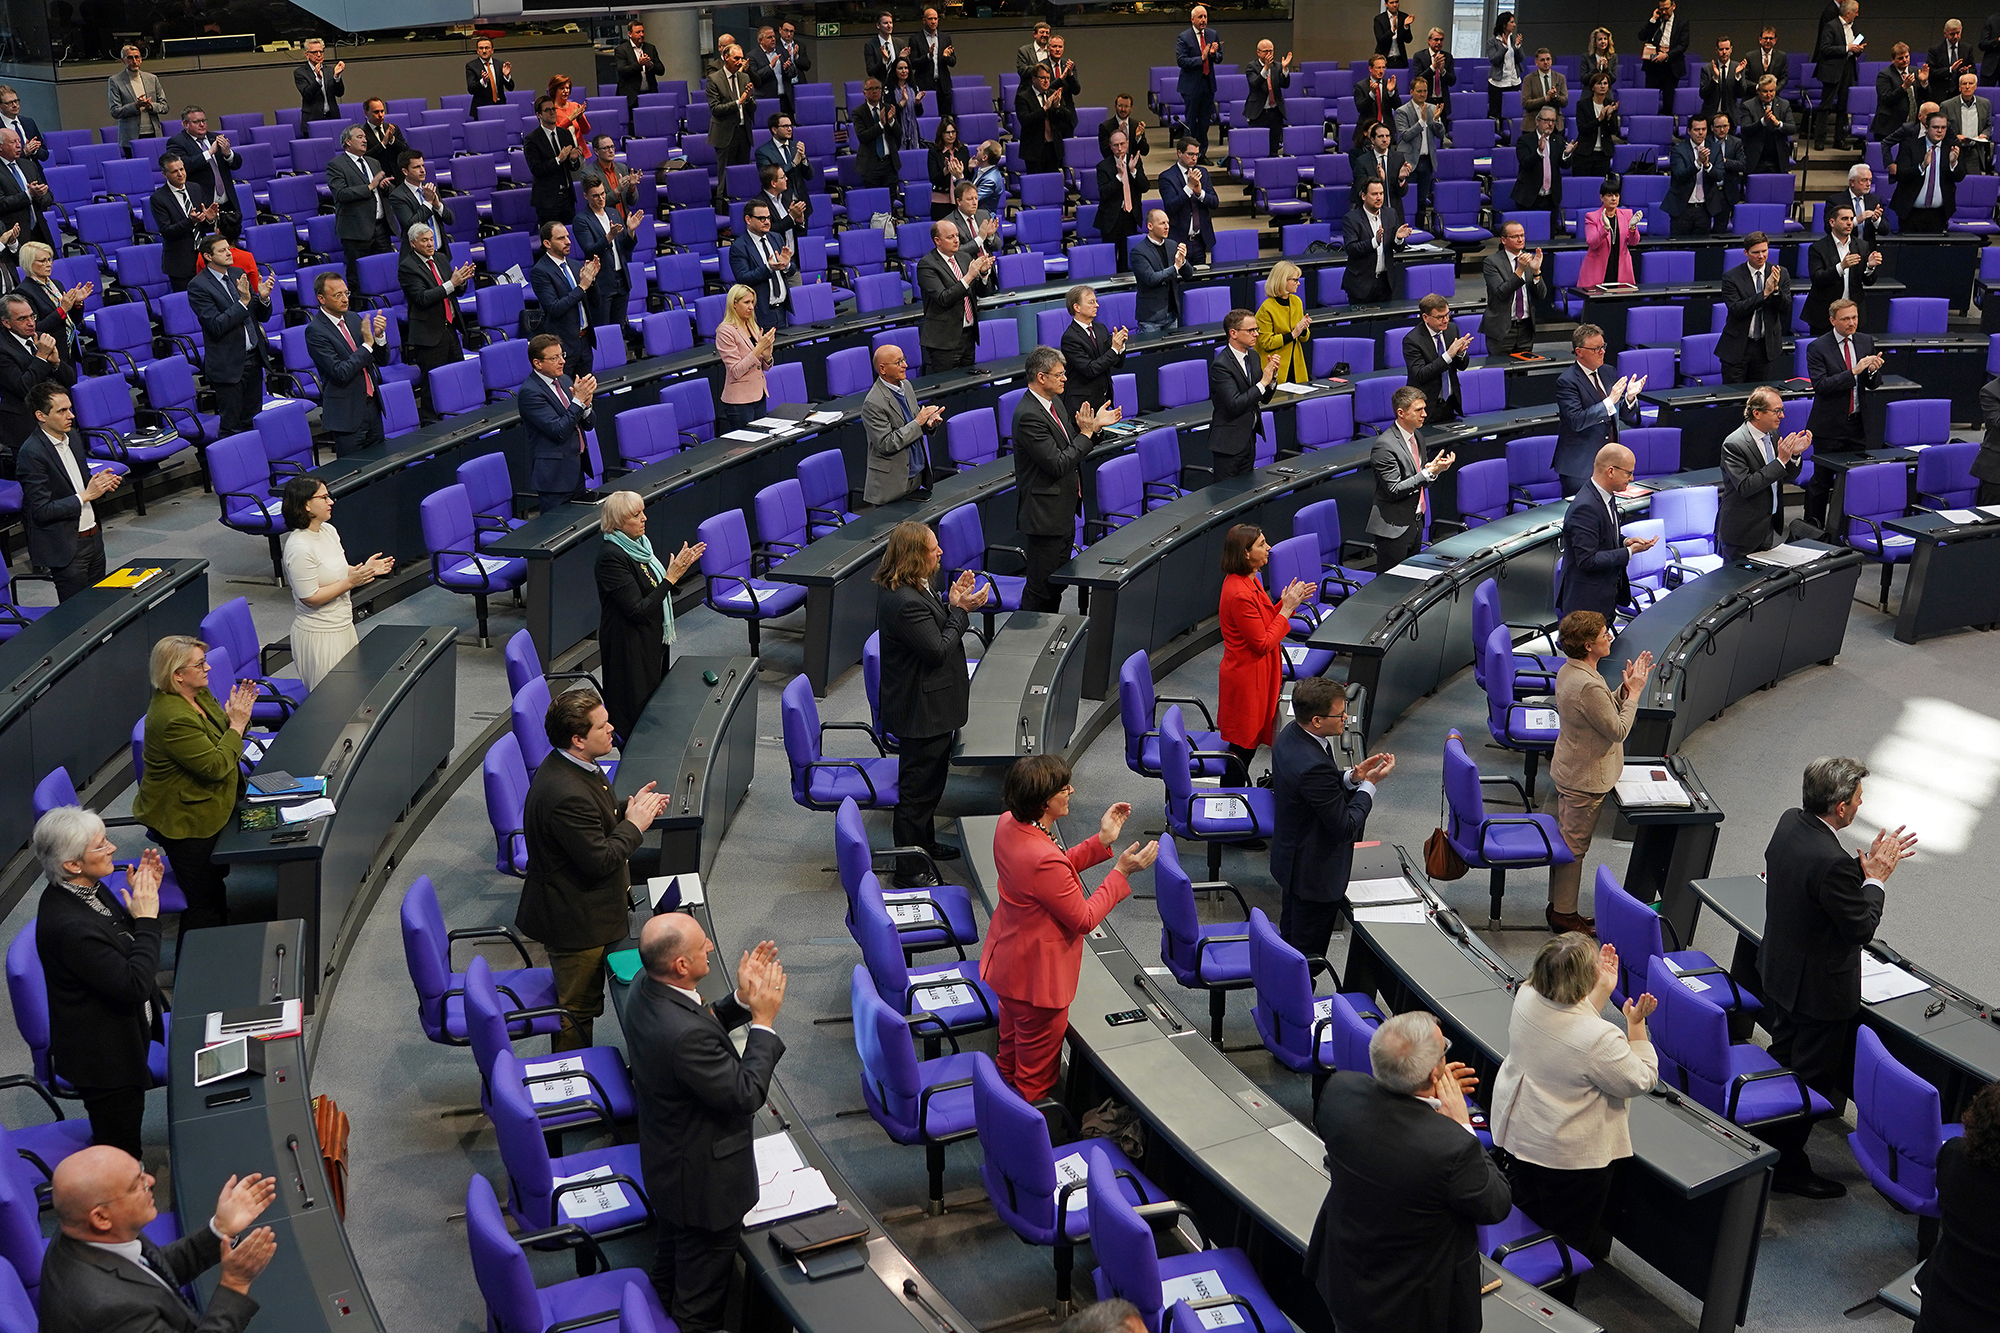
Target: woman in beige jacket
1559,1099
1590,750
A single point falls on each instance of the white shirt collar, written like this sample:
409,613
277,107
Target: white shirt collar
694,996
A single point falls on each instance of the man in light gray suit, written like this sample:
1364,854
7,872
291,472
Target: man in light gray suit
1396,521
899,455
1420,132
137,101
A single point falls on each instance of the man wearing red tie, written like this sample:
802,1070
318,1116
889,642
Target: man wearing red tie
1842,364
1048,451
348,352
950,286
432,288
556,411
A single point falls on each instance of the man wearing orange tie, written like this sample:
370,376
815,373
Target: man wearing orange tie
488,80
1121,187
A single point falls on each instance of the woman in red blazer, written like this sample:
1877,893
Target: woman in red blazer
1601,226
1034,946
1253,634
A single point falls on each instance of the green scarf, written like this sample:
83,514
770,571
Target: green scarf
642,551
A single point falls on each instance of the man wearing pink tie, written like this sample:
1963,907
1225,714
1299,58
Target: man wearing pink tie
1402,480
1121,186
556,411
950,285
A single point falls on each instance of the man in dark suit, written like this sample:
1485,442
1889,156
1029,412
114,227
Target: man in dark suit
1402,478
1380,160
1514,282
1436,354
1396,1243
1928,171
103,1201
1188,196
1122,121
553,157
1694,188
1948,59
764,263
561,290
1442,68
794,51
1896,92
785,151
1838,265
1159,267
1372,235
791,206
348,352
1395,34
556,410
1756,464
697,1097
1768,59
488,81
1197,51
1735,167
1989,50
320,88
1048,451
1595,553
1238,388
385,139
1121,194
638,64
1321,812
431,288
1268,78
770,75
65,535
27,358
1667,33
732,107
1538,165
24,195
1091,352
1836,66
1725,80
358,187
978,231
1822,902
932,57
24,127
183,212
1766,124
232,312
606,243
950,287
210,159
580,845
1860,196
415,202
878,54
1986,463
872,129
1843,366
1588,414
1375,98
925,692
1758,294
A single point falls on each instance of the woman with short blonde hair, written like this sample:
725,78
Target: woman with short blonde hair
1283,324
1590,751
746,352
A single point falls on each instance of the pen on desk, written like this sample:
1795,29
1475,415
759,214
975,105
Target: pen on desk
1491,1287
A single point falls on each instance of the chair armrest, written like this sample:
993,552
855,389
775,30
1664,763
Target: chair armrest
1222,886
1319,1027
1509,781
26,1081
1206,716
1515,1246
600,1103
862,727
1548,849
487,523
1741,1081
878,855
1153,1214
1722,972
710,580
572,1236
924,1097
616,1178
1011,550
919,1020
489,933
1257,829
874,797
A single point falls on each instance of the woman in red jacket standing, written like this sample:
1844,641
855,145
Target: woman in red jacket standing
1253,635
1034,946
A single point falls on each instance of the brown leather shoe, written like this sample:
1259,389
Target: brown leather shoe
1561,923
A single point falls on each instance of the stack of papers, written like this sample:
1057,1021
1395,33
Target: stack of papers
283,1018
1695,984
595,1201
1638,785
786,1186
1882,981
1380,892
948,990
1298,388
823,418
1787,556
744,436
1200,1287
776,425
1398,914
557,1089
1990,511
299,814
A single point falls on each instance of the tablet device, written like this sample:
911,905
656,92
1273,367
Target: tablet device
225,1059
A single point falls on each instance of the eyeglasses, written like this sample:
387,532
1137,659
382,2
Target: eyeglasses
1598,348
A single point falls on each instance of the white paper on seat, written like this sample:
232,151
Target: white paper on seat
483,565
776,1155
1323,1007
909,908
1401,914
1073,1170
556,1090
1221,807
1692,983
1295,653
1363,891
1200,1287
1882,981
934,997
253,750
595,1201
792,1194
1542,719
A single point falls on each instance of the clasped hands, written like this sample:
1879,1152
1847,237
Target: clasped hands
760,982
1627,387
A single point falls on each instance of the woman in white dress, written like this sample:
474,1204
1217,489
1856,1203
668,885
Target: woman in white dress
316,568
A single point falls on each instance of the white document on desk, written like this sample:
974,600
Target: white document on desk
299,814
1298,388
1400,914
1364,891
909,909
595,1201
689,883
791,1194
823,418
745,436
1787,556
1637,786
941,993
556,1089
1200,1287
776,1156
1423,573
1882,981
1959,515
1991,511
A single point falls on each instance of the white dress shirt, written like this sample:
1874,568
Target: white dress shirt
86,518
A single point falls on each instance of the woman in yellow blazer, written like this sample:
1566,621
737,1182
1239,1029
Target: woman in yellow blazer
193,775
1283,324
1590,750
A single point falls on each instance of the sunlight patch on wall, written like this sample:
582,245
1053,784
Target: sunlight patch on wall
1936,772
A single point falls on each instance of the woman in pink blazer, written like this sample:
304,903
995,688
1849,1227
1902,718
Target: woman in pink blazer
1607,229
1034,946
746,353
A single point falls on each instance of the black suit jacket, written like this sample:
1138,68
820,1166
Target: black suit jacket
925,688
354,200
1745,516
633,77
1892,102
1047,491
562,304
1818,912
1158,280
425,296
1396,1243
1724,93
631,634
1823,270
1860,203
696,1100
89,1290
1386,35
1135,138
20,371
1318,819
319,99
179,232
1832,383
1502,281
1911,156
385,144
1426,367
411,209
1594,558
221,181
1944,73
555,179
1833,63
1986,463
100,976
476,85
344,401
1114,223
1089,359
1677,45
1527,168
31,131
944,295
554,433
1744,299
579,844
1359,280
225,352
1235,412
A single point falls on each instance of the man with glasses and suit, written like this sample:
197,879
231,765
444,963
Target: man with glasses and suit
1589,414
1756,465
1048,452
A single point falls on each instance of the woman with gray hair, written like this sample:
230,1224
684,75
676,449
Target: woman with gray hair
635,594
99,957
1559,1102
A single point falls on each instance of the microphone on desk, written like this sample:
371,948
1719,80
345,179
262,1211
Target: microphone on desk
346,748
299,1170
687,796
278,991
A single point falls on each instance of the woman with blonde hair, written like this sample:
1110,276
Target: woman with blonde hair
58,312
746,352
1600,55
569,113
635,594
1283,324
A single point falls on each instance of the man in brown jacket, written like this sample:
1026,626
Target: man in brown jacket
580,844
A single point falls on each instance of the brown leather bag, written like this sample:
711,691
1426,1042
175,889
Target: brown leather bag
330,1128
1441,859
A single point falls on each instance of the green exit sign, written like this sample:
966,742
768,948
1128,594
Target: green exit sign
828,29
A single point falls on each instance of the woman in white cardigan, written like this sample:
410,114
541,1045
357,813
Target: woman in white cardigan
1559,1100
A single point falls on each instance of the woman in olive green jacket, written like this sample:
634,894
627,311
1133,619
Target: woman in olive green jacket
193,775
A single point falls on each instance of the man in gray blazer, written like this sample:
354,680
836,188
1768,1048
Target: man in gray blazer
1420,132
1396,521
359,189
1986,463
732,102
138,102
899,454
1755,466
978,232
1514,282
1971,118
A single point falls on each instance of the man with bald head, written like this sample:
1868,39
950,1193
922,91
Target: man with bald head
103,1272
696,1100
899,455
1595,553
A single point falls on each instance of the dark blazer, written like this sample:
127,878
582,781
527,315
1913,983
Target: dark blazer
1135,136
1386,34
696,1100
1114,224
178,229
562,304
1683,169
555,179
1089,358
1179,204
633,77
631,634
1358,279
1396,1245
1501,284
225,353
221,181
1766,146
924,74
31,131
49,318
344,402
1989,50
1959,1292
1892,102
1262,87
592,239
1583,425
579,844
1832,384
1364,167
411,209
20,371
1833,63
1723,94
1743,299
1745,516
87,1290
1527,168
1778,65
764,68
385,145
1945,71
1187,55
1677,44
1373,102
426,297
1235,413
553,432
944,294
1860,203
50,502
1824,272
1426,367
1911,155
729,119
1594,558
475,82
1318,819
1047,490
353,200
319,99
748,267
874,138
1158,281
1398,484
1818,912
100,972
925,690
1986,463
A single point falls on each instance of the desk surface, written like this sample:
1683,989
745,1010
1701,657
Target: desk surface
52,644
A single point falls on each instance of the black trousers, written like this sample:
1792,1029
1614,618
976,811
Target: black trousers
1989,493
1755,366
84,570
1693,221
204,882
1200,111
240,402
1309,926
923,764
1833,113
1045,556
691,1271
607,298
1571,485
1235,465
354,250
365,436
1822,1053
180,283
1519,337
1926,221
1569,1203
1393,551
116,1116
937,360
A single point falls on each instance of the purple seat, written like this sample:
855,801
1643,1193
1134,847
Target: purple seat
106,416
1120,496
441,991
1736,1080
1874,494
1482,491
1531,470
489,488
452,540
1919,422
1212,956
729,567
598,1094
1897,1133
1335,581
1250,812
1531,1252
848,372
963,538
648,434
1183,382
56,789
1302,1031
1666,266
1321,423
1656,450
230,626
781,520
1297,558
820,782
972,437
1944,475
242,480
694,407
1511,723
951,992
1534,673
1918,316
28,988
947,924
1497,843
823,476
1653,326
1138,709
1159,453
534,1198
1636,931
506,782
926,1102
515,1304
1199,306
